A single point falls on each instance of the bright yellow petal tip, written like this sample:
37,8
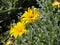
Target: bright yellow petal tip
56,3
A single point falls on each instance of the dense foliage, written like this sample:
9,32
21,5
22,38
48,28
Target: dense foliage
45,31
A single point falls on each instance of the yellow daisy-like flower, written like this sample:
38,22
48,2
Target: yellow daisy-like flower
56,3
30,15
18,29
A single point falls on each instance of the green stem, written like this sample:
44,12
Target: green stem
9,10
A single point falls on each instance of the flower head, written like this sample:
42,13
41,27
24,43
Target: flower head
10,41
56,3
18,29
30,15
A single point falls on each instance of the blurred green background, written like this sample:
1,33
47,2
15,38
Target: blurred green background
45,31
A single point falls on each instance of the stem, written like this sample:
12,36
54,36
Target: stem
9,10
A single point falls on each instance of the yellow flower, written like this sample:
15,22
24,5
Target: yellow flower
10,41
30,16
56,3
18,29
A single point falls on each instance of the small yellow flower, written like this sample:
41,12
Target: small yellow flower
18,29
56,3
30,15
10,41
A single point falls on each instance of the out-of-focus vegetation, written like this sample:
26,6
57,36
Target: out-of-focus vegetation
45,31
